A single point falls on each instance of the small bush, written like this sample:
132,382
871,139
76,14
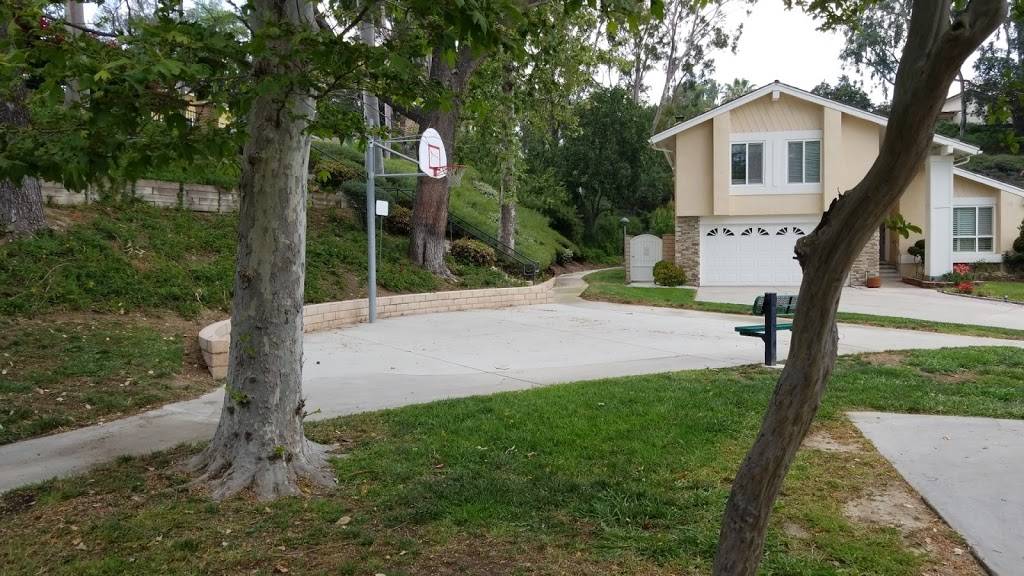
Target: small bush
474,252
669,274
917,250
399,221
564,256
965,287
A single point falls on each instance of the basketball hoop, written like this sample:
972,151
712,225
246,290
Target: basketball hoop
452,171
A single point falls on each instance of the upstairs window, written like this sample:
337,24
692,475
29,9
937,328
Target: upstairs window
972,229
804,161
748,163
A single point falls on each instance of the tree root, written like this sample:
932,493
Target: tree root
226,471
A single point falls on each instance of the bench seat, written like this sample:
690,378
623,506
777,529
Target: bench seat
758,329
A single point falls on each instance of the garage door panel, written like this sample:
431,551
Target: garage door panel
757,254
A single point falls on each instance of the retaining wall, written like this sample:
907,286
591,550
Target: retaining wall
195,197
214,340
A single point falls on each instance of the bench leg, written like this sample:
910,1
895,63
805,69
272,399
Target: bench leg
770,336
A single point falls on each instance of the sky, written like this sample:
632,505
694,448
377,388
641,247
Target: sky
784,45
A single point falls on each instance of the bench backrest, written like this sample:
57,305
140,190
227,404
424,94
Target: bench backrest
785,304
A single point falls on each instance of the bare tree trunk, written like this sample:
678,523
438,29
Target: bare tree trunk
21,203
934,52
963,102
259,443
507,234
430,207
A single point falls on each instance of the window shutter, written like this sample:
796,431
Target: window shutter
812,161
796,162
755,163
739,163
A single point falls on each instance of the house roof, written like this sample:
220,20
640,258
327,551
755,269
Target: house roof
957,145
998,184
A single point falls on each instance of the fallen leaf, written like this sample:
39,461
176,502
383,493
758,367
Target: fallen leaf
280,569
343,521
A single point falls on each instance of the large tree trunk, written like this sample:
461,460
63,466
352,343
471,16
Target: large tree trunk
934,52
430,207
21,203
259,443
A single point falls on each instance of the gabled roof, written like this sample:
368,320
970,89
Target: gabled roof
998,184
806,96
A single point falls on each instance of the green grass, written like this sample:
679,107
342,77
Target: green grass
1002,290
60,374
617,476
115,258
610,286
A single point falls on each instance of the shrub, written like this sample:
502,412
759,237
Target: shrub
1014,262
965,287
399,221
917,250
668,274
469,251
564,256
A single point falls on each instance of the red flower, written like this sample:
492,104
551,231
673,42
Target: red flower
965,287
962,268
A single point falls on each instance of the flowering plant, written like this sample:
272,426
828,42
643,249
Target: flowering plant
962,269
965,287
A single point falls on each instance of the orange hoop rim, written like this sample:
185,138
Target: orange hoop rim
447,170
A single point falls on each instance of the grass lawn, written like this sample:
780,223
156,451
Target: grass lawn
618,476
1002,290
610,286
60,373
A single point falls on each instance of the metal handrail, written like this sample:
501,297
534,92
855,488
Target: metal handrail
527,267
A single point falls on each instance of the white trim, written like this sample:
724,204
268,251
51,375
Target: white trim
972,257
775,156
997,184
778,87
977,254
713,221
981,201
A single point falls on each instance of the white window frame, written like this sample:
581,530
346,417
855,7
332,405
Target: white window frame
775,157
803,160
746,176
974,255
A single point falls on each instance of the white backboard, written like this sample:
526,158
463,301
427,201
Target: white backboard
433,161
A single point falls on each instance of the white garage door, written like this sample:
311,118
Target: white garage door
750,254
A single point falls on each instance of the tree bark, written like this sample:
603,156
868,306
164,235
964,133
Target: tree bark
259,443
934,52
21,203
430,207
507,233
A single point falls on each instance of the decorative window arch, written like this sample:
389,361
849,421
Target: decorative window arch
783,231
728,232
747,232
798,231
712,232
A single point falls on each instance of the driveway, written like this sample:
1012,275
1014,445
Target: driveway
895,299
969,469
414,359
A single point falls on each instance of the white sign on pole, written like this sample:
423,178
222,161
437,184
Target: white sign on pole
381,208
433,161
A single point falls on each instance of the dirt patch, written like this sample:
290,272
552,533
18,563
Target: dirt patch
892,505
897,506
884,358
826,442
952,377
794,530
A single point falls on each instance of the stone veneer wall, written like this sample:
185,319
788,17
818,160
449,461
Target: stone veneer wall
195,197
214,340
687,246
668,248
866,264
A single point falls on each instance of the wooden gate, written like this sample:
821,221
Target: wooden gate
644,253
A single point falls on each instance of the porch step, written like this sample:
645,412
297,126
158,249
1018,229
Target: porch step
889,271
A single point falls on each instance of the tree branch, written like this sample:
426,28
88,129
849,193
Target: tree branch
92,31
414,113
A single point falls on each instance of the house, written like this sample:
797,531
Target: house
952,110
756,173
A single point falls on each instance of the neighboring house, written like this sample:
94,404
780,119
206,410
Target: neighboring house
755,174
952,110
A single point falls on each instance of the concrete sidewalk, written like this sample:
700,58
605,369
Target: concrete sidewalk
971,470
894,299
415,359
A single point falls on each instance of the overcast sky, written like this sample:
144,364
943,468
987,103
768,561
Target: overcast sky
784,45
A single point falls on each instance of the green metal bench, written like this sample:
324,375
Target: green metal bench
770,306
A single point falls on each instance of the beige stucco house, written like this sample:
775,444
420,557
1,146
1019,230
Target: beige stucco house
756,173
